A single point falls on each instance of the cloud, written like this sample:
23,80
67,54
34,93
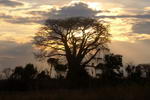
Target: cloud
141,27
4,16
142,16
82,9
77,9
10,3
38,13
13,54
20,19
137,52
130,3
74,10
25,20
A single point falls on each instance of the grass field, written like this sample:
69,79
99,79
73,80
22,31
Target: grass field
103,93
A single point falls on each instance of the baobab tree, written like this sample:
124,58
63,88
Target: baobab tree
76,40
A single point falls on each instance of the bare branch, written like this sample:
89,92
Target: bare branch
92,57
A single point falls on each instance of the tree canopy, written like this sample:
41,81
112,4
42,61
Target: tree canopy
77,40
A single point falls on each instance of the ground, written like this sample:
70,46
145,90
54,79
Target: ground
133,92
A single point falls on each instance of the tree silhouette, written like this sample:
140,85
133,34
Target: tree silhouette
130,69
43,76
145,69
18,73
27,73
7,72
113,61
112,66
76,40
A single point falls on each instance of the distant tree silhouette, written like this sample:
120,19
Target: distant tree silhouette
130,69
18,73
113,61
1,76
7,72
145,69
76,40
43,76
112,66
27,73
137,74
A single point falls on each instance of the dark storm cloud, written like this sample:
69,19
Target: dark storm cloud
10,3
141,27
13,54
75,10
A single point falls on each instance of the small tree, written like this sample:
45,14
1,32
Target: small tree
113,61
7,72
18,73
112,64
27,73
43,76
76,40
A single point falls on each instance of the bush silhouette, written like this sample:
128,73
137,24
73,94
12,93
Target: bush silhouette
27,73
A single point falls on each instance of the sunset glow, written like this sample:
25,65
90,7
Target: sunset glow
96,6
128,24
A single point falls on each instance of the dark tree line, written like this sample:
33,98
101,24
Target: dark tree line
111,69
28,77
29,72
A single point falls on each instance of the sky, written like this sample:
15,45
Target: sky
128,20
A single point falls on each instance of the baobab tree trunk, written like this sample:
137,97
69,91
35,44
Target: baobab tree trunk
51,70
77,72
